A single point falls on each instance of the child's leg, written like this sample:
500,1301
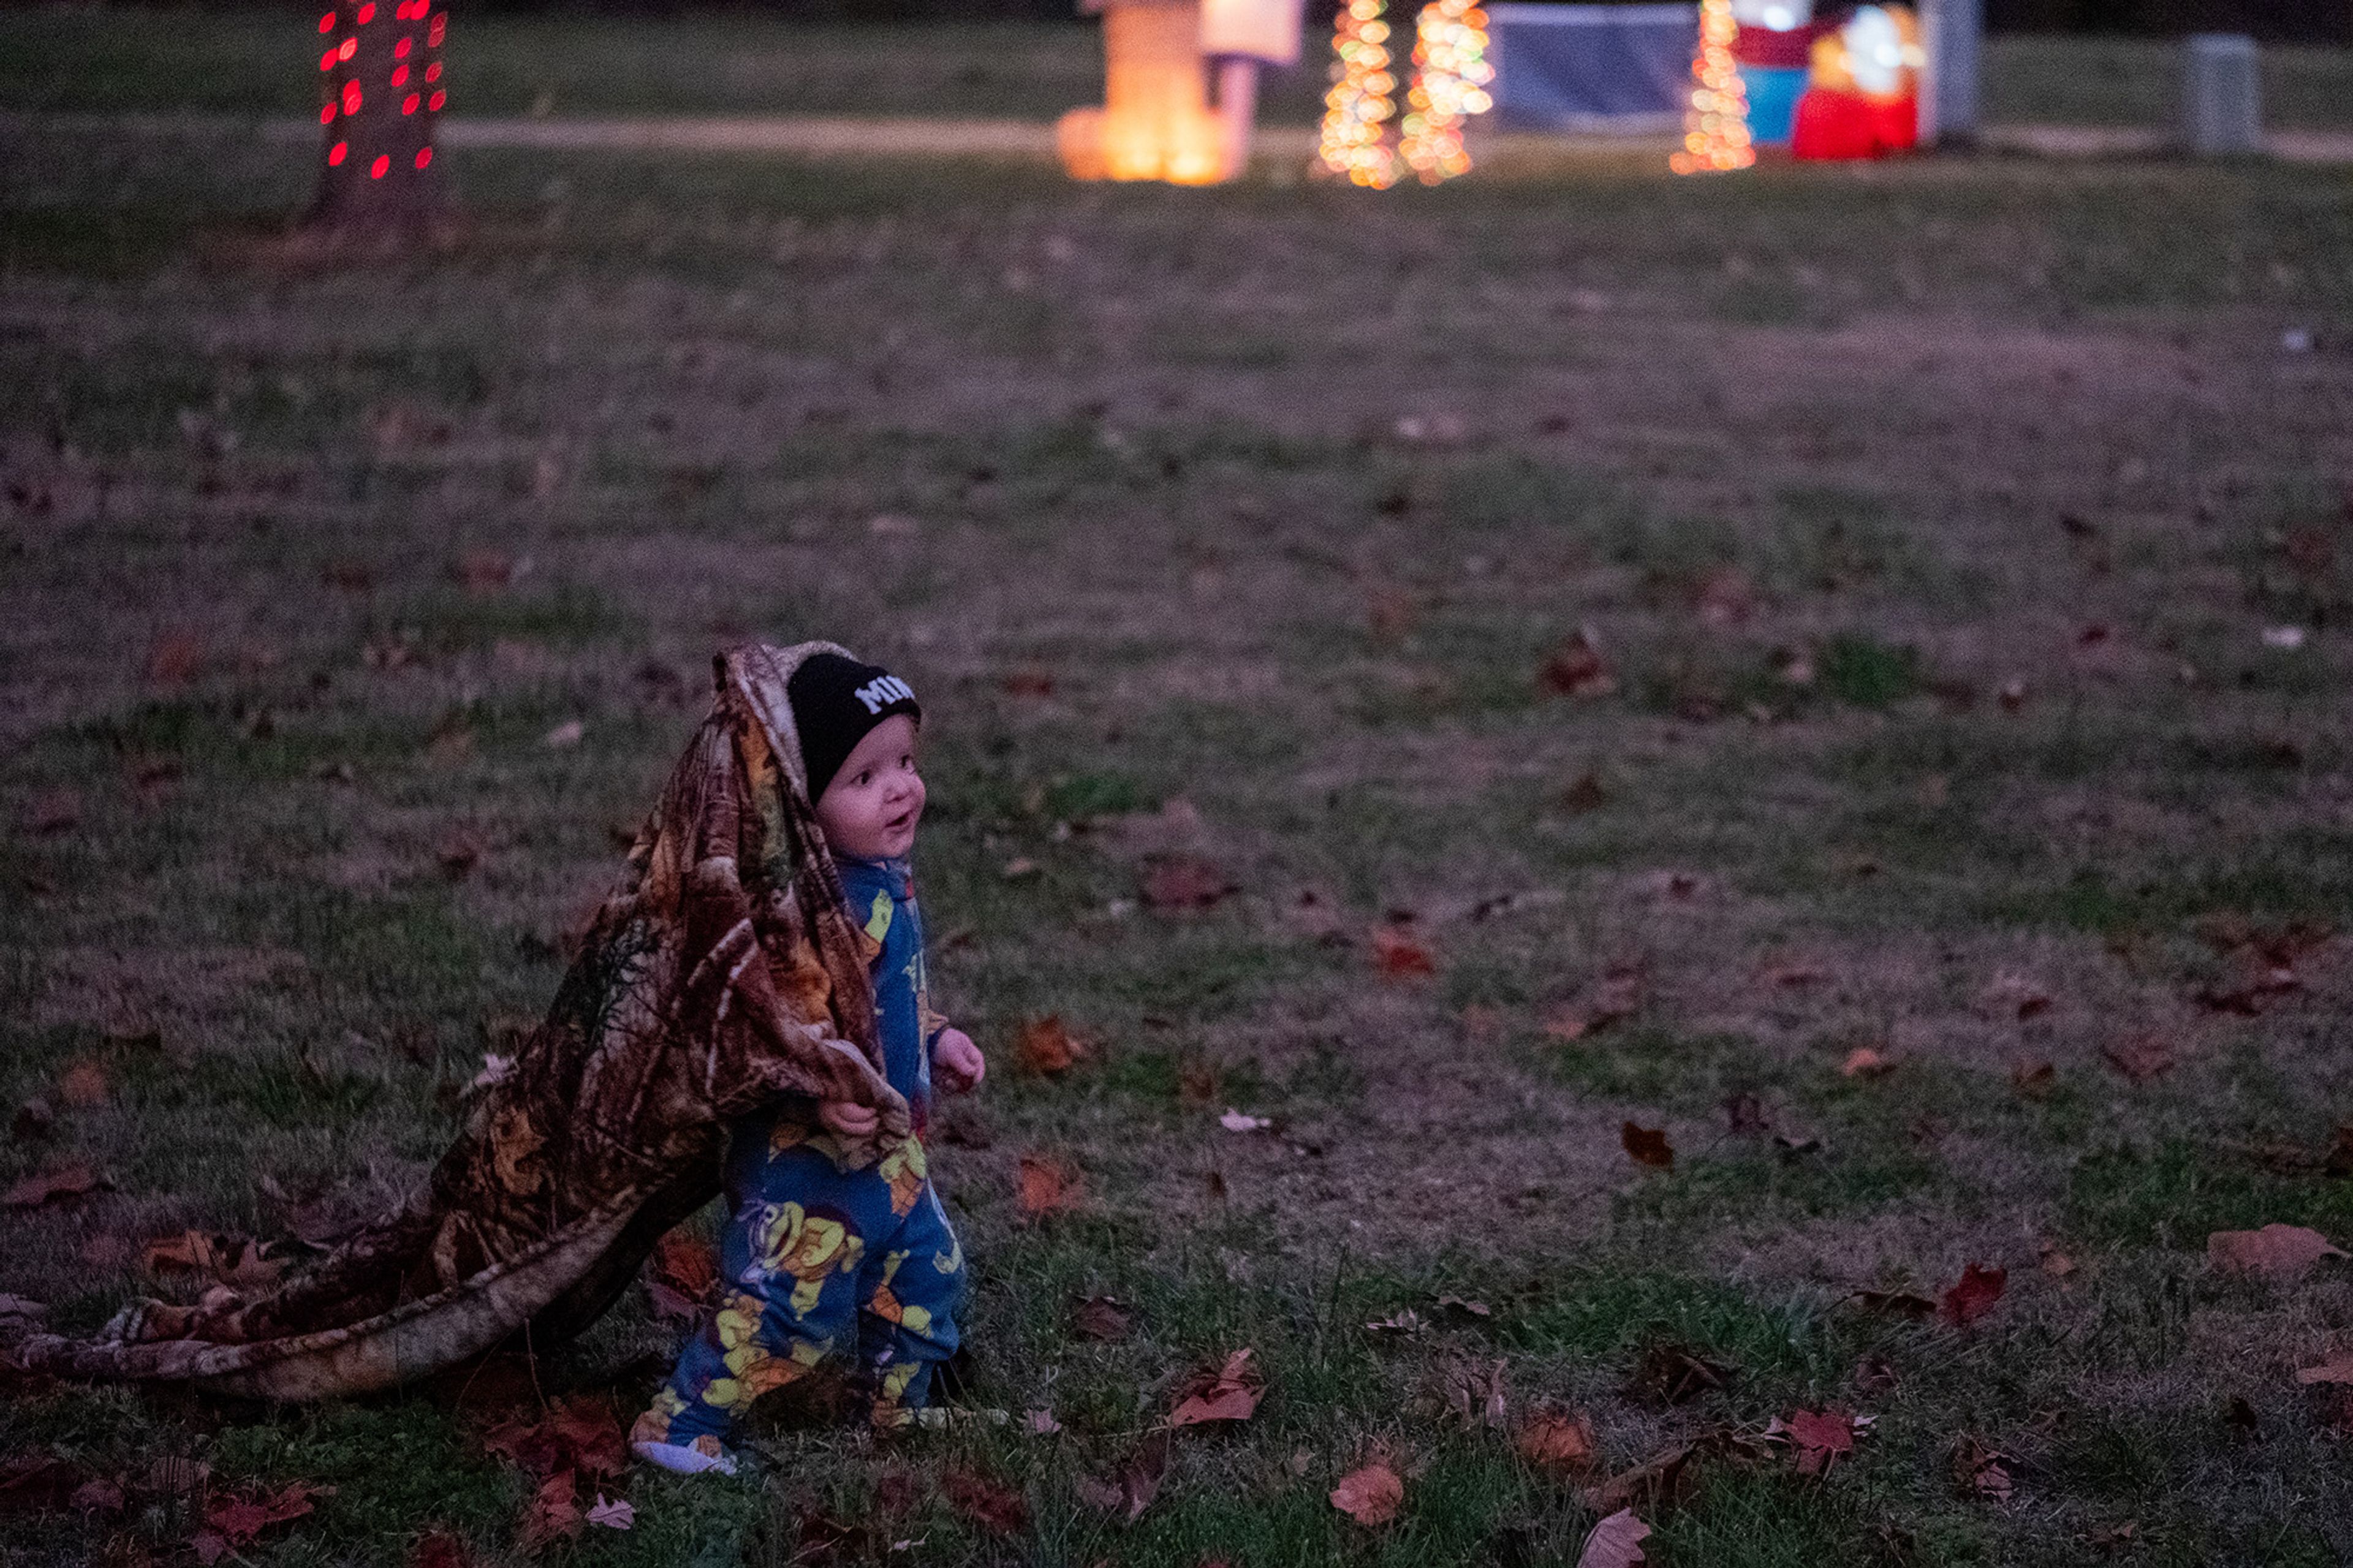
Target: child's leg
912,1291
789,1257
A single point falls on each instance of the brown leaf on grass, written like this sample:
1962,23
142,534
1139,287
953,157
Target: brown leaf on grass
1817,1438
52,812
552,1513
575,1435
1046,1047
1398,956
1371,1495
995,1507
1560,1443
2281,1254
1175,882
1100,1318
1048,1185
1615,1542
459,854
98,1495
1658,1482
1617,996
1230,1393
48,1187
83,1085
37,1483
2033,1081
685,1276
1475,1393
2337,1369
1673,1374
1973,1295
483,570
1647,1146
1864,1062
233,1523
1130,1489
1575,668
174,659
1744,1115
1584,793
2138,1057
441,1549
1979,1469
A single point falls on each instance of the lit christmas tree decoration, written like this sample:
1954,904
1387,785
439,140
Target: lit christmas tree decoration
1715,127
377,140
1451,74
1449,85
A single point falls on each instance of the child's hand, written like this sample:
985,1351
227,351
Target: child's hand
958,1062
848,1120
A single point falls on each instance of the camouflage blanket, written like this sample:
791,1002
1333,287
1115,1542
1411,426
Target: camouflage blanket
721,974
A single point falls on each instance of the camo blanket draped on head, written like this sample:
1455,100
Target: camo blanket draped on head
721,974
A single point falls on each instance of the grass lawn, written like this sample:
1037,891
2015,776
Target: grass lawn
1964,569
249,60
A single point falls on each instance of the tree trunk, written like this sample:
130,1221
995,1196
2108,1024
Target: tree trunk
380,62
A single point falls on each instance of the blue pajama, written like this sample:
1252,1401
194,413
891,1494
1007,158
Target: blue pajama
818,1260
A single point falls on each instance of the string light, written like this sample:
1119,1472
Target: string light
1715,127
1449,79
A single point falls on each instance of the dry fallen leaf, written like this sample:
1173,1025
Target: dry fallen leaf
1648,1146
1575,668
231,1523
1819,1436
1615,1542
1046,1047
550,1514
1398,956
1973,1295
1130,1489
1371,1495
1100,1318
1229,1394
1184,882
48,1187
2138,1057
2337,1369
1048,1185
1979,1469
83,1085
1864,1062
995,1507
2281,1254
1560,1443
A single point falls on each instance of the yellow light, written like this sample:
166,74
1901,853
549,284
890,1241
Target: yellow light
1716,124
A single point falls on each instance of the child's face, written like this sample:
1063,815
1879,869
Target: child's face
870,808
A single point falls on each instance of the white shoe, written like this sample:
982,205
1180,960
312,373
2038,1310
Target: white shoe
683,1462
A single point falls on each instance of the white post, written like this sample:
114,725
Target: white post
2221,95
1237,108
1953,29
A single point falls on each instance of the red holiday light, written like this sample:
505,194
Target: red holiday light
382,163
326,114
351,97
424,156
337,153
327,23
367,13
399,75
409,104
436,101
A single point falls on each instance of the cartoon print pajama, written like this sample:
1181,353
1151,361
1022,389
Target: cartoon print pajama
817,1260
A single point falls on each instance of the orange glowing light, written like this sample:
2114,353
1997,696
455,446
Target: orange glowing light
336,154
1716,126
1451,74
383,164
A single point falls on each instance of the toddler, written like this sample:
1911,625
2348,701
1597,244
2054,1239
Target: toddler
816,1258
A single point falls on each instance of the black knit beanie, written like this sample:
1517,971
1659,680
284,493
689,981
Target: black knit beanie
836,701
